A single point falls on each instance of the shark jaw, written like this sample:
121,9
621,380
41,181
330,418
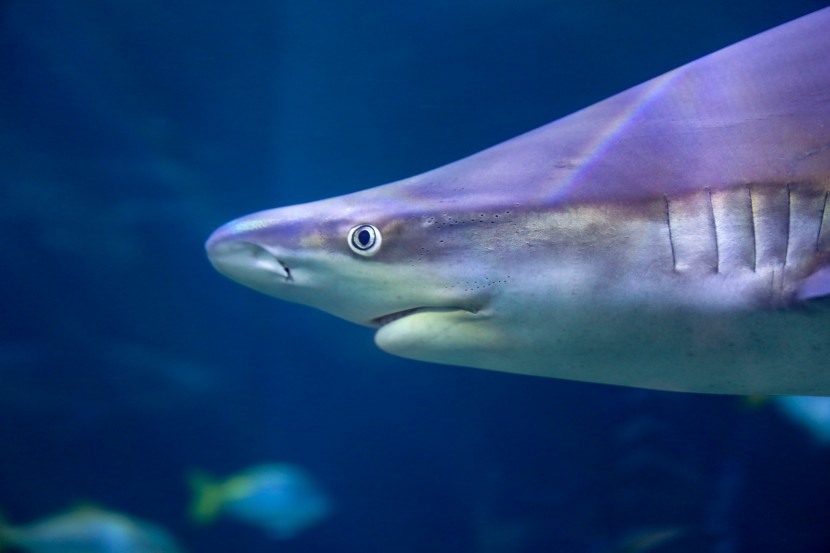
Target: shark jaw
257,268
322,273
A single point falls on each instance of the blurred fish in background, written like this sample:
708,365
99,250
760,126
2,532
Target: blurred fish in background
650,540
89,529
812,413
283,499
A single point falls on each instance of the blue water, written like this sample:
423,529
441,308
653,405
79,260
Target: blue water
129,130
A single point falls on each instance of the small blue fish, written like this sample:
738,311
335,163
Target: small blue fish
89,530
281,498
810,412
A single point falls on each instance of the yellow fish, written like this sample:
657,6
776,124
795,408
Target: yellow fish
281,498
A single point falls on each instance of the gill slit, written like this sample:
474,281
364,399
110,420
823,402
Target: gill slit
754,234
714,230
821,221
789,223
671,240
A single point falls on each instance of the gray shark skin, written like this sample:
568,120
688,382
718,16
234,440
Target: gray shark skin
675,236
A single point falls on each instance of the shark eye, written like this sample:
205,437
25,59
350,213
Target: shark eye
364,240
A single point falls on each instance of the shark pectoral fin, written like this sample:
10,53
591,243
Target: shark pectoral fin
450,336
816,285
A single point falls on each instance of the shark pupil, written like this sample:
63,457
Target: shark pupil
365,238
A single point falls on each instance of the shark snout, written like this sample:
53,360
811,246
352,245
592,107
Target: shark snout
246,262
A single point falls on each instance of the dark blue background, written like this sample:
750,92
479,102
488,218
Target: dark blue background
130,129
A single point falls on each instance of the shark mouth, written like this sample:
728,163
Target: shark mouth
386,319
391,317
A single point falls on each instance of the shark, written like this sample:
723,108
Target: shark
675,236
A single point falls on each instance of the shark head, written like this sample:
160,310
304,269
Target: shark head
419,271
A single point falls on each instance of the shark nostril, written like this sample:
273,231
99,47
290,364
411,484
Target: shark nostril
288,277
265,260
